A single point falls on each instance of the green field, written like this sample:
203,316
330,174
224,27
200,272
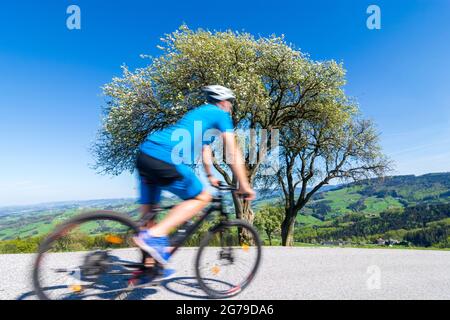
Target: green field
308,220
39,223
347,211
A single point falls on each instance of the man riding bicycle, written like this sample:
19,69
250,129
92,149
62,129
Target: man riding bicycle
160,170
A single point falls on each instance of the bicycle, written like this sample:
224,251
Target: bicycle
113,277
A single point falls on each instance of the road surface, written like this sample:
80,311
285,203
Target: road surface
286,273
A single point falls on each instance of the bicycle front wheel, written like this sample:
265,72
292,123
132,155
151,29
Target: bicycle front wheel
228,259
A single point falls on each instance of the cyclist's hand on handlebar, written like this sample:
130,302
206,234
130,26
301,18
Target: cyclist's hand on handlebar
214,181
247,192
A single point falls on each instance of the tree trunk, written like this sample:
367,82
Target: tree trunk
247,212
287,229
270,237
244,211
247,215
237,206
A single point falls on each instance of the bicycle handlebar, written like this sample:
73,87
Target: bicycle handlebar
224,187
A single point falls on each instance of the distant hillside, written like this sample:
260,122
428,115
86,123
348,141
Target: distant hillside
62,205
414,189
404,210
275,196
33,223
373,196
367,198
422,225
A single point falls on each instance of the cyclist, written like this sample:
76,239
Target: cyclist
158,170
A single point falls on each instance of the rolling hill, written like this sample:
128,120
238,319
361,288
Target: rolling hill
371,197
367,198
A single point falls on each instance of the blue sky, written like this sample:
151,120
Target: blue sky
50,97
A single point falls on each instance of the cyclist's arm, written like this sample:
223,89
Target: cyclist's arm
207,159
235,160
207,162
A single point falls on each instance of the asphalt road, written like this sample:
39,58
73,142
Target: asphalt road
285,273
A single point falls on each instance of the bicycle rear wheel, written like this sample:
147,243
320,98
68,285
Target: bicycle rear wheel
89,256
228,259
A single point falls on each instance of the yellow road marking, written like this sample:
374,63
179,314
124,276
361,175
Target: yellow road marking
76,288
215,270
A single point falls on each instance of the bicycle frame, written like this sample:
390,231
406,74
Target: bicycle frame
216,206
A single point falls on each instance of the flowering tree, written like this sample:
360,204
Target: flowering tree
276,86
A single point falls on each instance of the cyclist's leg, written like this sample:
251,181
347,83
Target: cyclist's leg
181,213
150,196
191,190
149,169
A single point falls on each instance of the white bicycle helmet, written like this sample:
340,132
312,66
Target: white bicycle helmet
217,92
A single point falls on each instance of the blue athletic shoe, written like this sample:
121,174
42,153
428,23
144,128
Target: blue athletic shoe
155,246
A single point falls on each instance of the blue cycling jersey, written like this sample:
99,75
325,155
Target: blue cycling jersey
183,141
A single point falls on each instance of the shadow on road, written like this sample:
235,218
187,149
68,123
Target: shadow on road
112,286
183,286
